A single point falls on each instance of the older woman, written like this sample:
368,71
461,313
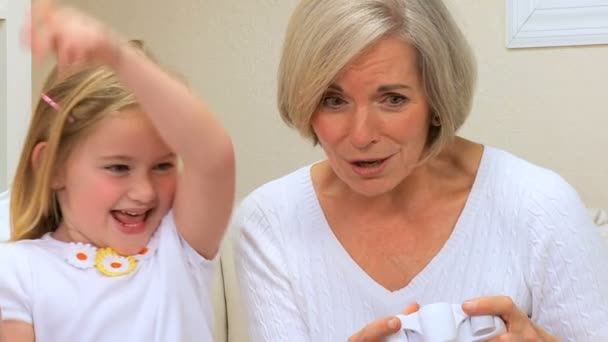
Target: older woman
403,210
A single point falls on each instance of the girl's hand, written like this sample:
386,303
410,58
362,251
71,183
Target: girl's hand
70,35
378,330
2,339
519,326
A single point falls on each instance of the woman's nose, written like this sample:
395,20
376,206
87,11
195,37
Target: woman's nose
364,130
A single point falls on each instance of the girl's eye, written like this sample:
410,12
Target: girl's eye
332,101
164,166
117,168
395,100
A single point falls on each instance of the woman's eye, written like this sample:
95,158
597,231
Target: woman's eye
395,100
164,166
332,101
118,168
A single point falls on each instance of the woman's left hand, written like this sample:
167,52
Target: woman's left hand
379,330
519,326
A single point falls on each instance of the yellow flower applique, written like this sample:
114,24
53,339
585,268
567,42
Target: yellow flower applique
112,264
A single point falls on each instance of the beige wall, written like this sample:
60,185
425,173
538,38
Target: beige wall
546,105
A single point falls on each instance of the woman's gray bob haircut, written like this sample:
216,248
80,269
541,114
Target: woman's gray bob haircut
323,36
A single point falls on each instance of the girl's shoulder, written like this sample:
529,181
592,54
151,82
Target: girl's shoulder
18,261
22,248
4,216
25,252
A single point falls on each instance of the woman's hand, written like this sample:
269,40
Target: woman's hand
378,330
519,326
70,35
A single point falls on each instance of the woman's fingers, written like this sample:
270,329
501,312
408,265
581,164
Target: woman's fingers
411,308
519,326
377,330
502,306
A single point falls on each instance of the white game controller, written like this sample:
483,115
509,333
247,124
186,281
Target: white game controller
443,322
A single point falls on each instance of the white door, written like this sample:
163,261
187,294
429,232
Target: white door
15,86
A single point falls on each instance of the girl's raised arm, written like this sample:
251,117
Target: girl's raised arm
205,188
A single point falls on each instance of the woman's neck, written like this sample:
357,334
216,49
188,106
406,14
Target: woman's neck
450,172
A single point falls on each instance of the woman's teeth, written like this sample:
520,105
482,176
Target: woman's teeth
369,163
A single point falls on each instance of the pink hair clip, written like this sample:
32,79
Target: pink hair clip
54,104
50,102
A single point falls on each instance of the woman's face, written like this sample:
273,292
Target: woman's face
374,119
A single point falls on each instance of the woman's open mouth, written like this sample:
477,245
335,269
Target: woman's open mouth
369,167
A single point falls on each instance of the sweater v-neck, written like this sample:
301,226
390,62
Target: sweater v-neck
423,278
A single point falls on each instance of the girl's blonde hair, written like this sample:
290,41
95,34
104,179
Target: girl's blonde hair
324,36
84,97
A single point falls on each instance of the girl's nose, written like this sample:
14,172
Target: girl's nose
142,190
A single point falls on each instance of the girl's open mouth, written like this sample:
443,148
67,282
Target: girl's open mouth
131,222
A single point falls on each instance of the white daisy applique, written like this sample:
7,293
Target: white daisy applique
82,255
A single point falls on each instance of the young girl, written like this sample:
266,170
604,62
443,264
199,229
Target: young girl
112,241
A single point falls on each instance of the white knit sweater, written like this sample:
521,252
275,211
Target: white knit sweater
524,233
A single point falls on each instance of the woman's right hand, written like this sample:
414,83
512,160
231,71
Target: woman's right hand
378,330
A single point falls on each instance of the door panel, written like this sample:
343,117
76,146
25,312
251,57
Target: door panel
15,86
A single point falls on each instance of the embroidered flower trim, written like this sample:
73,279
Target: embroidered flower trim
82,255
107,261
112,264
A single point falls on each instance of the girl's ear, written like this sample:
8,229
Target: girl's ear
37,157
